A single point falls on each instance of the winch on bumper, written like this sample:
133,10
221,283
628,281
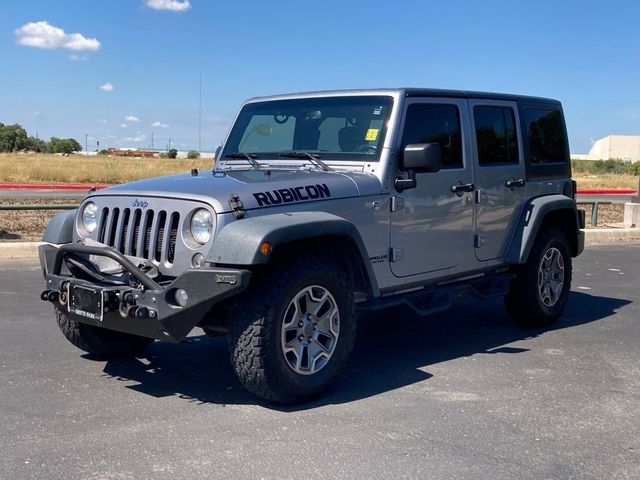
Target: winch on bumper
165,312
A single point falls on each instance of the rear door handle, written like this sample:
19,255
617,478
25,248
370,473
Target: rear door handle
515,183
466,187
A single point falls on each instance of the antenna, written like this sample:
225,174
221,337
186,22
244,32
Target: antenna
200,116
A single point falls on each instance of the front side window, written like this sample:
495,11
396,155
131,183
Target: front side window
546,137
495,135
435,123
338,128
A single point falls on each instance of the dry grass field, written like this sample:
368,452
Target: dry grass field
606,180
42,168
39,168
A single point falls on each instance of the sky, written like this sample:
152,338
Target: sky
122,71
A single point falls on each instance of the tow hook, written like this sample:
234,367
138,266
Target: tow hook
128,308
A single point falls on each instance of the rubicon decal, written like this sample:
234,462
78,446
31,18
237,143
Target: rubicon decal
295,194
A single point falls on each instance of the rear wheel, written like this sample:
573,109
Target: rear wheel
98,341
293,331
539,293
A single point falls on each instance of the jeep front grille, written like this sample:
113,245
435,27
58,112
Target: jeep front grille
140,233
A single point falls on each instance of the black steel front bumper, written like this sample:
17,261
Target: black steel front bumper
149,309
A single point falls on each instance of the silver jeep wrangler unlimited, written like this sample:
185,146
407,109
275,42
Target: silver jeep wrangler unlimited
321,203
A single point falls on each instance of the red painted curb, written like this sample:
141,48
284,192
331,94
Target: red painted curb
49,186
606,191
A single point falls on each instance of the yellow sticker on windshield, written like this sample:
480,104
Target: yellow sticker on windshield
372,135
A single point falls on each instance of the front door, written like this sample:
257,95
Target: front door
432,226
500,175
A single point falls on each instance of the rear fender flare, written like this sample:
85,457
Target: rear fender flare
532,218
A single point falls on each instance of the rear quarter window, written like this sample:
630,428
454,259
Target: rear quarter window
545,135
546,147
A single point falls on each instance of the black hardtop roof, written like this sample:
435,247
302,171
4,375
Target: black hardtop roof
435,92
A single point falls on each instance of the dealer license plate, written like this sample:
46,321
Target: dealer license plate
86,301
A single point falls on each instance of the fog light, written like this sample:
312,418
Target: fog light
197,260
181,297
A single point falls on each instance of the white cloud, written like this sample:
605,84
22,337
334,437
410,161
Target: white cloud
138,138
78,58
123,125
173,5
102,121
44,35
107,87
159,124
132,118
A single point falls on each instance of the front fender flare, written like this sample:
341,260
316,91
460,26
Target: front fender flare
239,242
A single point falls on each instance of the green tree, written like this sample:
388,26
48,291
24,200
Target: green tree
172,153
192,154
36,145
12,138
64,145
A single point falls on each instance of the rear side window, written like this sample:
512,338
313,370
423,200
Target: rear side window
495,135
433,123
545,135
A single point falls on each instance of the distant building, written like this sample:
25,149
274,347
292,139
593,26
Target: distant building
624,147
133,152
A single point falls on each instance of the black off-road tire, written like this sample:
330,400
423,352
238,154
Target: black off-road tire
100,342
255,345
524,301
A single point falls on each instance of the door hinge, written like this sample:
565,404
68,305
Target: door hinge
480,241
397,203
396,254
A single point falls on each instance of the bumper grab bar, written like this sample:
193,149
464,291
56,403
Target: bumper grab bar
108,252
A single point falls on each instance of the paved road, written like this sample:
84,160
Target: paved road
460,395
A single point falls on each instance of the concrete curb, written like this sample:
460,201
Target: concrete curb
10,250
611,235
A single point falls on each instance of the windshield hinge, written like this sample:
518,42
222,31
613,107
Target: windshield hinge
237,206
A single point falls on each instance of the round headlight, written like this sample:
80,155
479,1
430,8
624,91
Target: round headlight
201,226
90,217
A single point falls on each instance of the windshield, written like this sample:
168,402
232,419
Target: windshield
334,128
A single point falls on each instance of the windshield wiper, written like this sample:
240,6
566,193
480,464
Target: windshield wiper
249,157
314,157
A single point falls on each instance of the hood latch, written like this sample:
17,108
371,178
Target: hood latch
237,206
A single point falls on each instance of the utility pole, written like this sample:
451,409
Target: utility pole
152,140
200,117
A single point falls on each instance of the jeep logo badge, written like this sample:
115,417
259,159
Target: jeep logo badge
140,203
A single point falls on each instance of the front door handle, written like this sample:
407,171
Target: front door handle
460,187
515,183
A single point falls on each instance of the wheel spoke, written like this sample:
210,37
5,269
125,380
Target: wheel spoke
310,330
551,277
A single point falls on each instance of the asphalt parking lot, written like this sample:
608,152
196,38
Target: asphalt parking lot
459,395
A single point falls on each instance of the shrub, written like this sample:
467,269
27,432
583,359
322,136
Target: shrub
192,154
172,153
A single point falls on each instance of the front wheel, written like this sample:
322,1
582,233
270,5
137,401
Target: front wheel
100,342
539,293
293,331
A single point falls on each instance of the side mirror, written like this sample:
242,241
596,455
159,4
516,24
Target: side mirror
418,157
422,157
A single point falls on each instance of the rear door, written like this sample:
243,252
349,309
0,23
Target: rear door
499,173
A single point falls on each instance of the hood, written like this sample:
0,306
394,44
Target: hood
256,188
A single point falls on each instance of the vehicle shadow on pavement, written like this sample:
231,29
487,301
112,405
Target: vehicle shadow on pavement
392,349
